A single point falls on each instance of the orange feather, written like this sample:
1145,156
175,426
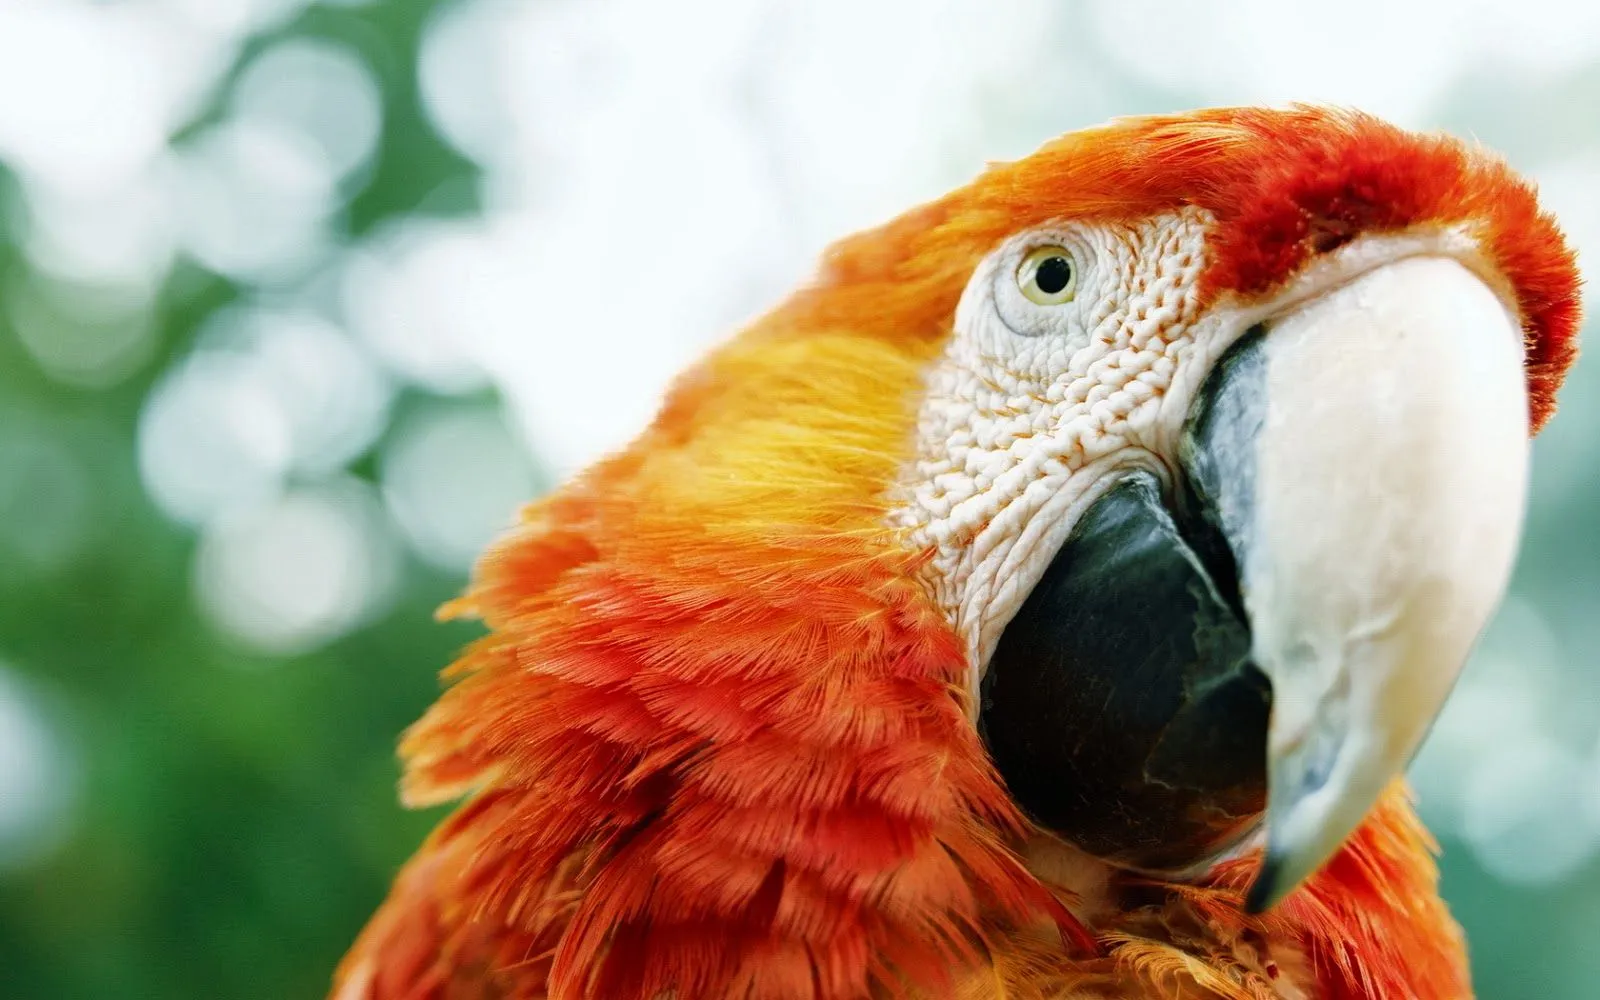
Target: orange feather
716,743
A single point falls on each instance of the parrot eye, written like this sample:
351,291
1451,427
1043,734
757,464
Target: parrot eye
1047,276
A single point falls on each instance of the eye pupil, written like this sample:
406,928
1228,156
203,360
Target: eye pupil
1053,274
1047,276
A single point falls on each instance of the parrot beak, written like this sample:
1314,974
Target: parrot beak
1271,632
1364,454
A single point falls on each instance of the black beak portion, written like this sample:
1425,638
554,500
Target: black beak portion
1120,704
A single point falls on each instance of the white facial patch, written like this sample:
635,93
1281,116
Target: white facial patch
1032,404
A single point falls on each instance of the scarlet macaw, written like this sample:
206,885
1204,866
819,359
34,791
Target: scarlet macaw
1039,604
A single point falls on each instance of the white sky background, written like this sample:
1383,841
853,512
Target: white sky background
655,174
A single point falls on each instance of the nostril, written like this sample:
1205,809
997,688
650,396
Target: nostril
1329,233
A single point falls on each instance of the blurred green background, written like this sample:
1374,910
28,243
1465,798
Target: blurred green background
299,300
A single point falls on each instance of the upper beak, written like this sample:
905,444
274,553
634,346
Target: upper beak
1365,456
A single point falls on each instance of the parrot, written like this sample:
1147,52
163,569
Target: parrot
1042,602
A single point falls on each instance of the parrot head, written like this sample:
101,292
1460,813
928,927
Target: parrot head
1101,537
1222,470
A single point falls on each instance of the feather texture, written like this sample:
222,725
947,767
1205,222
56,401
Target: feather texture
713,677
716,742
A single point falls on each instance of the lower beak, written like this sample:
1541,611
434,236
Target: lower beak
1365,457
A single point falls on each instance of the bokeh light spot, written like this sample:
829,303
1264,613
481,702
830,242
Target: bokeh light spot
317,90
454,479
297,572
334,399
38,780
403,293
90,336
213,435
255,199
1527,812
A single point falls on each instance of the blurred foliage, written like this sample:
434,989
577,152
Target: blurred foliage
235,817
